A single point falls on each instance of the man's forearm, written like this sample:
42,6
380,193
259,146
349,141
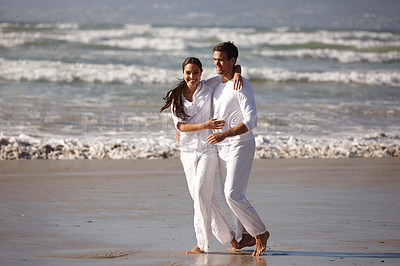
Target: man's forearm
220,136
235,131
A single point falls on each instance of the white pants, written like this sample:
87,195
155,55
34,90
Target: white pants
235,162
199,168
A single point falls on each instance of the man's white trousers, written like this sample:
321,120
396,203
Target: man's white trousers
199,168
235,162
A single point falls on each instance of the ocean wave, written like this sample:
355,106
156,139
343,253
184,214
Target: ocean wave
143,43
41,26
56,71
371,77
332,54
357,39
27,147
127,37
130,36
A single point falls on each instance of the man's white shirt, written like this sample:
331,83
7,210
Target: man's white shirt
235,106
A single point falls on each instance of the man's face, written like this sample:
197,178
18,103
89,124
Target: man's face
222,64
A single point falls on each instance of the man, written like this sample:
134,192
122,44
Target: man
236,146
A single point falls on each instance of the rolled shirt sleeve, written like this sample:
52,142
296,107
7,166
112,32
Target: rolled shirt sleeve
176,119
245,98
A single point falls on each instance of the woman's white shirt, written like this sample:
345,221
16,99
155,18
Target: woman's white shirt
199,111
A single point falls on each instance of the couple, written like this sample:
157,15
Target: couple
216,104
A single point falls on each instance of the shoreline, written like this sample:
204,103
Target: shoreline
139,212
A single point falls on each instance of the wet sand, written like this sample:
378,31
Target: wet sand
139,212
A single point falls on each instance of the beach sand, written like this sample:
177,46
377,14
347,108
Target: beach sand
139,212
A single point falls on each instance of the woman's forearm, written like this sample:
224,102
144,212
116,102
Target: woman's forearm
190,127
210,124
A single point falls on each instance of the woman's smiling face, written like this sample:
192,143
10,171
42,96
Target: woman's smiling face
192,75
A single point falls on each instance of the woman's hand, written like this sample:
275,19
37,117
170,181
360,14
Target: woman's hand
214,124
178,138
237,82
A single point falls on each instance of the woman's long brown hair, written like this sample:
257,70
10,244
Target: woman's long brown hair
174,96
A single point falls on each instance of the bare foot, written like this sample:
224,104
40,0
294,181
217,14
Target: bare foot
247,241
195,250
234,245
261,243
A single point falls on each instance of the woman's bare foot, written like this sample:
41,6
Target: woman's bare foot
195,250
247,241
261,243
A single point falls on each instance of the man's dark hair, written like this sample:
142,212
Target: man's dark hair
229,48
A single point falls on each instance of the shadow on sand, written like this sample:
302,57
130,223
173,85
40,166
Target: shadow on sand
331,254
327,254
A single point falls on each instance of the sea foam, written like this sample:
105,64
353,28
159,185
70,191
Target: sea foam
268,147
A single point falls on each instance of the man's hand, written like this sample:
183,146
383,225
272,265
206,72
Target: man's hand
234,131
216,137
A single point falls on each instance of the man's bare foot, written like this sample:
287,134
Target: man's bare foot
261,243
234,245
247,241
195,250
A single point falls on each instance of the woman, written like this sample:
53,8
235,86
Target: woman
190,104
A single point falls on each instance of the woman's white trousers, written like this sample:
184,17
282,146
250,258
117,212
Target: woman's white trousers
199,168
